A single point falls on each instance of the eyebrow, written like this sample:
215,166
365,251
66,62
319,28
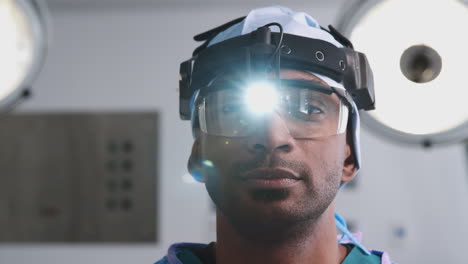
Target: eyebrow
241,81
309,77
316,79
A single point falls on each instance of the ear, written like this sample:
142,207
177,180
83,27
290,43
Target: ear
349,166
194,164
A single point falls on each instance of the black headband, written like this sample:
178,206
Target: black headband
255,52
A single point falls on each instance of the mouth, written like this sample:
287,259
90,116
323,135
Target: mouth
270,178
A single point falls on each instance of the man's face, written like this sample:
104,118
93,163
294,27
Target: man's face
270,179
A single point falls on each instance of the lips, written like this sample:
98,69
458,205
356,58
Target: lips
270,178
270,173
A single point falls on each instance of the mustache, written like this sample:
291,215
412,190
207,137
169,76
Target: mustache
270,162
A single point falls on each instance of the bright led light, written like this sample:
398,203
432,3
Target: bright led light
390,28
261,98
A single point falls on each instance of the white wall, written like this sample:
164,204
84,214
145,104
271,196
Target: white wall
423,191
128,59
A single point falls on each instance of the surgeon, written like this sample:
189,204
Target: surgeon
273,99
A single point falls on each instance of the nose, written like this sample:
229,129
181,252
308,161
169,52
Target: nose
271,135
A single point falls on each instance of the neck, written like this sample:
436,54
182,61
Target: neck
316,244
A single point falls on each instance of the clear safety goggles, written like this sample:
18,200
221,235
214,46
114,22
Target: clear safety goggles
307,109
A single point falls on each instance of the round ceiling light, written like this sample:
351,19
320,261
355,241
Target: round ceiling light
419,60
22,47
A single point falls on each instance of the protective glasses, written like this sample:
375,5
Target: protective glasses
307,109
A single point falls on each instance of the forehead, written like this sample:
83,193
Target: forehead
288,74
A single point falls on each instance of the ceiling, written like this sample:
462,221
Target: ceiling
168,3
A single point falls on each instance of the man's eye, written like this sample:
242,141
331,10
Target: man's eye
307,113
311,110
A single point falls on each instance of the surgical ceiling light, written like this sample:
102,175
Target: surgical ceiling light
23,42
419,59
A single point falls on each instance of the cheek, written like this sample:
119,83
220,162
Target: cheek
334,148
221,151
325,156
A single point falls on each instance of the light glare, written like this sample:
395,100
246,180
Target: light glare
208,163
261,98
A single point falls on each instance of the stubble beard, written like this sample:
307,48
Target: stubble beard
278,224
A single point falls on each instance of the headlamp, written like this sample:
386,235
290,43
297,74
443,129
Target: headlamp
263,51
